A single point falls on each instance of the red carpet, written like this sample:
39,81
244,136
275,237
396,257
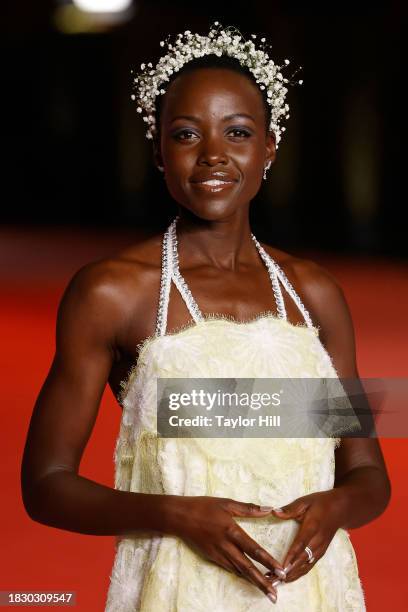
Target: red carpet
35,557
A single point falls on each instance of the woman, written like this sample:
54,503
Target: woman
206,524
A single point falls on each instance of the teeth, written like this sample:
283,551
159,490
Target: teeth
215,182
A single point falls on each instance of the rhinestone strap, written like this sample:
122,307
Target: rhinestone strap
165,283
178,278
277,273
289,288
270,264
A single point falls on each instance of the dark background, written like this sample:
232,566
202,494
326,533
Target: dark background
76,154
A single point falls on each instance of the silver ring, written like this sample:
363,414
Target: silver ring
309,554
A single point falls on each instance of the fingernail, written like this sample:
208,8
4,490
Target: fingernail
265,508
272,597
276,582
280,573
287,568
277,509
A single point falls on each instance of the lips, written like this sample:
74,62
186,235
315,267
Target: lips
214,179
214,182
209,188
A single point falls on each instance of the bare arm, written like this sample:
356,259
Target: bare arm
361,488
64,415
361,478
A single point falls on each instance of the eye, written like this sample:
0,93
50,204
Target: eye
184,135
240,132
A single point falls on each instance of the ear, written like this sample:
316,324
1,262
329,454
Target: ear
157,157
270,147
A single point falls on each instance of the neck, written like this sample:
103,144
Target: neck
223,244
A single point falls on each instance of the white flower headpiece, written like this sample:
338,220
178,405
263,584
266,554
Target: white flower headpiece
150,82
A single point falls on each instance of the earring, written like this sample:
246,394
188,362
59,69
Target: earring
160,168
268,165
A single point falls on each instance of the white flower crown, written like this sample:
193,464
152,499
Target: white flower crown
149,83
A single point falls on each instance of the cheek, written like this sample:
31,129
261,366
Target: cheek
179,160
249,160
179,164
247,156
249,163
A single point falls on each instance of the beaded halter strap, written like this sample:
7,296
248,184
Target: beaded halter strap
170,272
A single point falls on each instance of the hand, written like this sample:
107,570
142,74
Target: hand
319,515
207,524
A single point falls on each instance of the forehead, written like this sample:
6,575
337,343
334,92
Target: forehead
213,91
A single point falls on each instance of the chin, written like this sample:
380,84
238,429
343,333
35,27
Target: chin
211,210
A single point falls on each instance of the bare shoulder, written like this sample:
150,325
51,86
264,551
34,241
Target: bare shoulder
316,286
114,276
319,288
324,298
113,289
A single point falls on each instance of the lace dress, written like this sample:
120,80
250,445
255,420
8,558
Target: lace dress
162,573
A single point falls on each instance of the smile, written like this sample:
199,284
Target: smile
213,185
214,182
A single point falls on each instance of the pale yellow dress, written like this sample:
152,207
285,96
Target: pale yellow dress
154,573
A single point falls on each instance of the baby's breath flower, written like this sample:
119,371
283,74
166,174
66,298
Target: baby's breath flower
149,83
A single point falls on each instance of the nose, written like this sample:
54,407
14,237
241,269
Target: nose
212,151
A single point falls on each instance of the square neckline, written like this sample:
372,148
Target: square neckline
147,343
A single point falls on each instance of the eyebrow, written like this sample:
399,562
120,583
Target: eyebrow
225,118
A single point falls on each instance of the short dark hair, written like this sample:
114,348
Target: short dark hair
214,61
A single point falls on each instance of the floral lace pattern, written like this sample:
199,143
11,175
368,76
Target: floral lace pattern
162,573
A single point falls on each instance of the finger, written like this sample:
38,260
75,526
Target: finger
296,552
247,509
274,580
294,510
301,571
318,548
251,572
301,562
305,567
250,547
226,564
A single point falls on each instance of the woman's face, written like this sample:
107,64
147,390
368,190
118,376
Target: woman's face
213,142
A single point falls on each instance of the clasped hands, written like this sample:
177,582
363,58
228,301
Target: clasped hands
207,524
